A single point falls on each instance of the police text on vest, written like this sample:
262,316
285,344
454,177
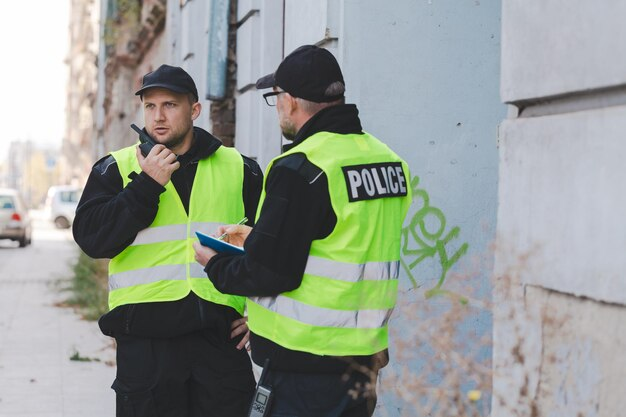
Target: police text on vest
367,182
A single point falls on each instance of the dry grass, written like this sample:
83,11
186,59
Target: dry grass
442,365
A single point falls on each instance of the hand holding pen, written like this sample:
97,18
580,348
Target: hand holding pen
223,235
235,234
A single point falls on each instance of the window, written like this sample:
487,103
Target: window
6,202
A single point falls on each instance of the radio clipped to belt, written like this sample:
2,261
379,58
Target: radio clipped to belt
262,399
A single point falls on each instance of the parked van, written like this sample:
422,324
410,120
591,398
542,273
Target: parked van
61,204
14,220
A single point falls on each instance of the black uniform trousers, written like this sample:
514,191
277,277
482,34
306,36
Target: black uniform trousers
320,395
196,374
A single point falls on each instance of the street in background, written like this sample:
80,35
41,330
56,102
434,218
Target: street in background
14,219
52,363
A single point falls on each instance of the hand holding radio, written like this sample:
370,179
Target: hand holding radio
155,159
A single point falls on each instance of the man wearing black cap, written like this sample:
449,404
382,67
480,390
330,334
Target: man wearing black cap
179,341
321,264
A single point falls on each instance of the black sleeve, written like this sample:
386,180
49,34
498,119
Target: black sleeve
296,211
252,186
109,216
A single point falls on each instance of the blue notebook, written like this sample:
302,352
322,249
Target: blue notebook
218,245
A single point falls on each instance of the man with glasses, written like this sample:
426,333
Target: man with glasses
321,264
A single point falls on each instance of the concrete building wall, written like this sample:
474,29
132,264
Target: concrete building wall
557,340
137,37
187,39
259,49
130,45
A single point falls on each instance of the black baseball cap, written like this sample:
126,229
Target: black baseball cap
172,78
306,73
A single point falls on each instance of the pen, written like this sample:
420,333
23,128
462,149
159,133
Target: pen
242,221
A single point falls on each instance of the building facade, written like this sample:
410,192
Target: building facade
425,76
559,337
82,61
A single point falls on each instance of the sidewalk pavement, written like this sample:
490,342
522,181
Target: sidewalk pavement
37,338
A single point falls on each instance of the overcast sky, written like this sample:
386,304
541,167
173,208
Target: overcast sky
33,45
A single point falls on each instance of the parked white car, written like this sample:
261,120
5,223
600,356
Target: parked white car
14,220
61,204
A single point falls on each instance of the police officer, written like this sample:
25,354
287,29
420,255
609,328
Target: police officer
179,341
322,262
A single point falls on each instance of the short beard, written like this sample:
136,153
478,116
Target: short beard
175,141
288,130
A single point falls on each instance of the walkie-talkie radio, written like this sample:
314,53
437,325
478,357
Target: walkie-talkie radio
146,141
262,399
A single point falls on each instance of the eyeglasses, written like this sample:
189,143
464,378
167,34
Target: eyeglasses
271,97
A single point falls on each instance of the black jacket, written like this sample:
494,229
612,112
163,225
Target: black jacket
109,217
296,211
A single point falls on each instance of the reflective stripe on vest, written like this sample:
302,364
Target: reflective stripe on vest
159,264
172,232
349,287
321,316
351,272
161,234
324,317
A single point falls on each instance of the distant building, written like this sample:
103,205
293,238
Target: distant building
31,169
4,179
78,147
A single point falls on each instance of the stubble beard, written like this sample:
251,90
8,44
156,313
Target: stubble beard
288,129
175,140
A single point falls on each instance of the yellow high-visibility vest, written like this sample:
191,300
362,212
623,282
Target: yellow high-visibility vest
350,283
159,265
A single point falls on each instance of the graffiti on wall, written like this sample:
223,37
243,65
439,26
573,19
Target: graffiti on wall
424,237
